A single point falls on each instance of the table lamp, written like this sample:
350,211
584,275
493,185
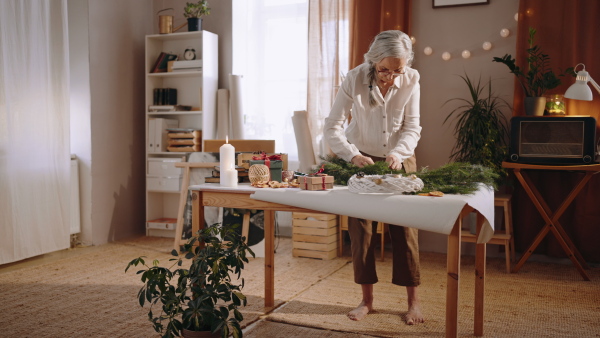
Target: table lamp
580,90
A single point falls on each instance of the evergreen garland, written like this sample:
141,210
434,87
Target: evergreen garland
451,178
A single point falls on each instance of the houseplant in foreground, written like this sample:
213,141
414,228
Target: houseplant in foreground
194,11
481,128
537,78
201,296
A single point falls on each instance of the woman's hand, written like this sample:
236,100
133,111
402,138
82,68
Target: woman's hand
361,161
393,162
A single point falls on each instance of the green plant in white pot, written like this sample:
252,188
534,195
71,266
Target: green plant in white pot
202,297
537,79
194,11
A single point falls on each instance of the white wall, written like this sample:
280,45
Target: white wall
116,47
455,29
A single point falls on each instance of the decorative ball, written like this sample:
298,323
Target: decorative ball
446,56
258,173
487,45
504,32
466,54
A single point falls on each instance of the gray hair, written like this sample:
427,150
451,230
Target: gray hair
392,43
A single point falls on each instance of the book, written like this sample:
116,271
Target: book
185,64
151,132
160,133
160,65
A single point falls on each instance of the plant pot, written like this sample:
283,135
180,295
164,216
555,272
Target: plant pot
194,24
534,106
200,334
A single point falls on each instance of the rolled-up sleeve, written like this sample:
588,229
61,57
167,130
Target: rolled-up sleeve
410,133
333,130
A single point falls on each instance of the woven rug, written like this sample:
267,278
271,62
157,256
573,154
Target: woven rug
86,292
542,300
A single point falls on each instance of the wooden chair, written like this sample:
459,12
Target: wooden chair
500,237
381,230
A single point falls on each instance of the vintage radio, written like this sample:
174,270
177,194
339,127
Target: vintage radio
553,140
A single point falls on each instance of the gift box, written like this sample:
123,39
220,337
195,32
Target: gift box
317,182
275,168
243,159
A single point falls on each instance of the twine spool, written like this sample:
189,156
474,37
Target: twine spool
258,173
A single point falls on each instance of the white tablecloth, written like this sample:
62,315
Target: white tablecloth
436,214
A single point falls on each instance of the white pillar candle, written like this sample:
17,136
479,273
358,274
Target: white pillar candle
228,174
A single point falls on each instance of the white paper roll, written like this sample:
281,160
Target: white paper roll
236,104
306,153
223,114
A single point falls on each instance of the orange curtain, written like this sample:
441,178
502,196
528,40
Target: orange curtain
369,17
567,30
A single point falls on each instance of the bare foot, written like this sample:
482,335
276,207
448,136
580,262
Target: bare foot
361,311
414,316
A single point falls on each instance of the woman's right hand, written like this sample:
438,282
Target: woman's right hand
361,161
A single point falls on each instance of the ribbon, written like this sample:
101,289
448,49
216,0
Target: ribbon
267,158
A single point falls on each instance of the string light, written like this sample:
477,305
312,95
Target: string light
466,53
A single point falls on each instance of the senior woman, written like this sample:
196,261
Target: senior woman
382,97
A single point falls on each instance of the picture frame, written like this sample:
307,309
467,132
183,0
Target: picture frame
456,3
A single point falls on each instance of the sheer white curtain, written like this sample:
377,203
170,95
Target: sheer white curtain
328,51
34,128
270,52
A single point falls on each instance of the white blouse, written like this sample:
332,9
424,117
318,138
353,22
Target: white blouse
390,129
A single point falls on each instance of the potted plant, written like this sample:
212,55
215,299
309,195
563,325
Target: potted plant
201,298
194,11
481,128
536,79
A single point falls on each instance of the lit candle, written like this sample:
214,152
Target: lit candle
228,174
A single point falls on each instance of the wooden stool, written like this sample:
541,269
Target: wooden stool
506,237
381,230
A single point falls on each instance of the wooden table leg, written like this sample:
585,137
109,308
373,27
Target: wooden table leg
480,263
269,258
452,279
552,223
197,212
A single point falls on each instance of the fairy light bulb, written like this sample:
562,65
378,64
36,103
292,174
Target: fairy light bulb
446,56
517,17
413,40
504,32
466,54
428,51
487,45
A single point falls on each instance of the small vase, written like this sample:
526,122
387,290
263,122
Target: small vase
534,106
194,24
200,334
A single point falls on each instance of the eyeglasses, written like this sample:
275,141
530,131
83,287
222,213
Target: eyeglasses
391,73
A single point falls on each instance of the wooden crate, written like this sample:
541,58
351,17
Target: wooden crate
314,235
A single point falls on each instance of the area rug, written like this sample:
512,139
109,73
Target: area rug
541,300
86,292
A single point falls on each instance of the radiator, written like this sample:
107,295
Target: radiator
75,216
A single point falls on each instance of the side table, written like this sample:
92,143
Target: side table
551,217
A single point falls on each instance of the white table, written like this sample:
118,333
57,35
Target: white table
437,214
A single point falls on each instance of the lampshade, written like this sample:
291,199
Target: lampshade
580,89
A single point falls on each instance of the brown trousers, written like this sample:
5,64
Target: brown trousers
405,247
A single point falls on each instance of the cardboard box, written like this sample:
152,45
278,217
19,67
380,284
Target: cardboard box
319,182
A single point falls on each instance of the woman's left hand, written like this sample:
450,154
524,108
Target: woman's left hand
393,162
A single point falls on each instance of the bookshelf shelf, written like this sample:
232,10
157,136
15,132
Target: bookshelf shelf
194,88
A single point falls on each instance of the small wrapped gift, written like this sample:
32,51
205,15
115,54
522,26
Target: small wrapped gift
316,182
243,159
274,163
